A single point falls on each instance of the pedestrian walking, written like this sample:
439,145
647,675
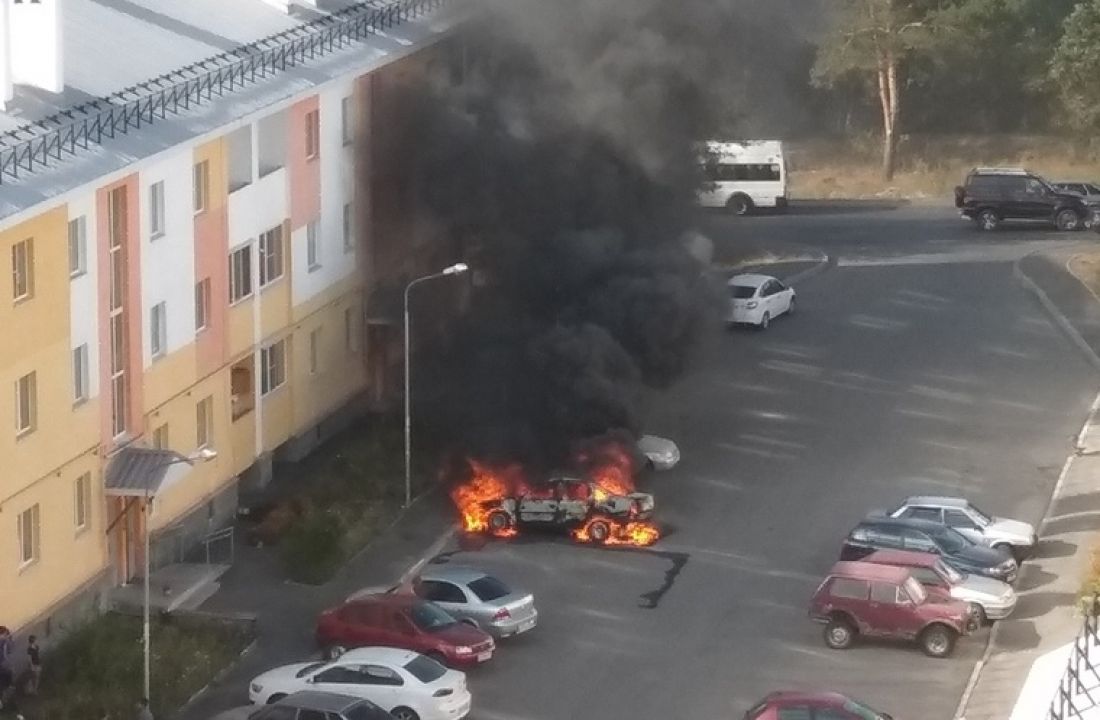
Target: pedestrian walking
7,676
144,713
34,656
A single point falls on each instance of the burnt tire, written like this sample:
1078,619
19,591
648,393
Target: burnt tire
1067,220
840,634
988,219
499,521
740,205
765,321
599,531
938,641
404,713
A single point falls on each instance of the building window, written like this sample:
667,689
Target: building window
351,331
80,374
25,404
156,210
28,528
82,501
314,348
202,304
119,410
158,330
347,121
204,422
272,367
313,245
271,255
349,239
160,437
78,247
200,186
240,274
22,269
313,134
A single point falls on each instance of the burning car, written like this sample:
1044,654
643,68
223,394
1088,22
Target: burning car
570,501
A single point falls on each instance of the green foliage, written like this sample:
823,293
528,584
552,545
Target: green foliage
864,31
314,547
99,666
1075,67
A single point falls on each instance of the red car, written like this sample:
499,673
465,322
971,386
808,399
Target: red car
402,621
822,705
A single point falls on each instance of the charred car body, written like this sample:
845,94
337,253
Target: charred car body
572,503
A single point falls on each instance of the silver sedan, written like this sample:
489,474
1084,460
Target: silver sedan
478,598
660,453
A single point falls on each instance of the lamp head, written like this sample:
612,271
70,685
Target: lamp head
456,269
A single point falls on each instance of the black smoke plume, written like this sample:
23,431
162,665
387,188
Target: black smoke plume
564,166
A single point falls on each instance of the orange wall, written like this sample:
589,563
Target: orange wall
211,258
305,173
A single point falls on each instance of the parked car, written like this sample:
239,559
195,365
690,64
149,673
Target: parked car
410,685
402,621
659,453
860,598
1014,536
757,300
961,553
310,705
991,195
477,598
1088,190
804,705
995,599
569,502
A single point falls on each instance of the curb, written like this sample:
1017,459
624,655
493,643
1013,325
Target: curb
1052,309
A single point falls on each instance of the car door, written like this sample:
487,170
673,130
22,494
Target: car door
386,687
1012,197
360,625
1038,201
403,633
447,595
883,608
783,295
539,505
921,512
917,541
770,296
960,520
342,679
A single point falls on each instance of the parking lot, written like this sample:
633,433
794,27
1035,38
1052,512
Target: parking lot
896,377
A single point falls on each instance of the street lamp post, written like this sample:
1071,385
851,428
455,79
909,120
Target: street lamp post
456,269
200,455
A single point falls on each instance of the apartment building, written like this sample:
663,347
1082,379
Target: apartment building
197,278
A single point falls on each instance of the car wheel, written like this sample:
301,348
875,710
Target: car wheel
334,651
979,614
740,205
988,219
471,622
765,321
274,698
839,634
1067,220
790,308
599,531
499,521
404,713
937,641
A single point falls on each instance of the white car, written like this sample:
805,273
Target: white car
1017,537
660,453
758,299
409,685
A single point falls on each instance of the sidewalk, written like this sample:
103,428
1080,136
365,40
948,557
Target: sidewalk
1009,684
286,611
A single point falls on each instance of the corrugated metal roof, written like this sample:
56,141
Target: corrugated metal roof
139,471
111,45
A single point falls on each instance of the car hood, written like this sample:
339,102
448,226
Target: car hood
462,634
1015,529
976,587
283,674
979,556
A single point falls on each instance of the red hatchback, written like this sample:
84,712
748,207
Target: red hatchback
812,706
402,621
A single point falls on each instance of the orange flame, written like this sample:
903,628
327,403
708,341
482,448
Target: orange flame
485,486
609,465
635,532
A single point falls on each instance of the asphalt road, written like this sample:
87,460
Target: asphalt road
913,366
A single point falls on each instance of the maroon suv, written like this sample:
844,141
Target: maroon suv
859,598
402,621
825,705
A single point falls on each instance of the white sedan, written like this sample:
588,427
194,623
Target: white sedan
410,685
758,299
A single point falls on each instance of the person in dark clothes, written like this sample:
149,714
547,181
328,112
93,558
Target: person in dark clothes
7,676
34,655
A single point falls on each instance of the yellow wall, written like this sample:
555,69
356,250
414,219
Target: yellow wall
165,378
203,480
241,335
340,374
278,410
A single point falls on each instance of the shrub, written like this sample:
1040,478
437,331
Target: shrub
313,548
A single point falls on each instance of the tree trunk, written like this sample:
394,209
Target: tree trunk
889,100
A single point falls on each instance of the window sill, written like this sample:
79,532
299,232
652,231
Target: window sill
156,236
80,530
271,282
273,391
80,402
25,432
74,274
201,329
22,299
315,266
28,565
238,301
158,356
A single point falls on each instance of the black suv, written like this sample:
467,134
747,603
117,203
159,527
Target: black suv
991,195
885,533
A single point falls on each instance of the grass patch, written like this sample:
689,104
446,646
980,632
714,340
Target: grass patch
1090,584
98,668
1086,268
356,486
930,166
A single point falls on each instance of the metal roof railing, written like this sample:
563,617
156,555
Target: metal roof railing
33,147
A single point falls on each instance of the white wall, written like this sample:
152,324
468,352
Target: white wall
337,188
257,208
168,262
83,293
